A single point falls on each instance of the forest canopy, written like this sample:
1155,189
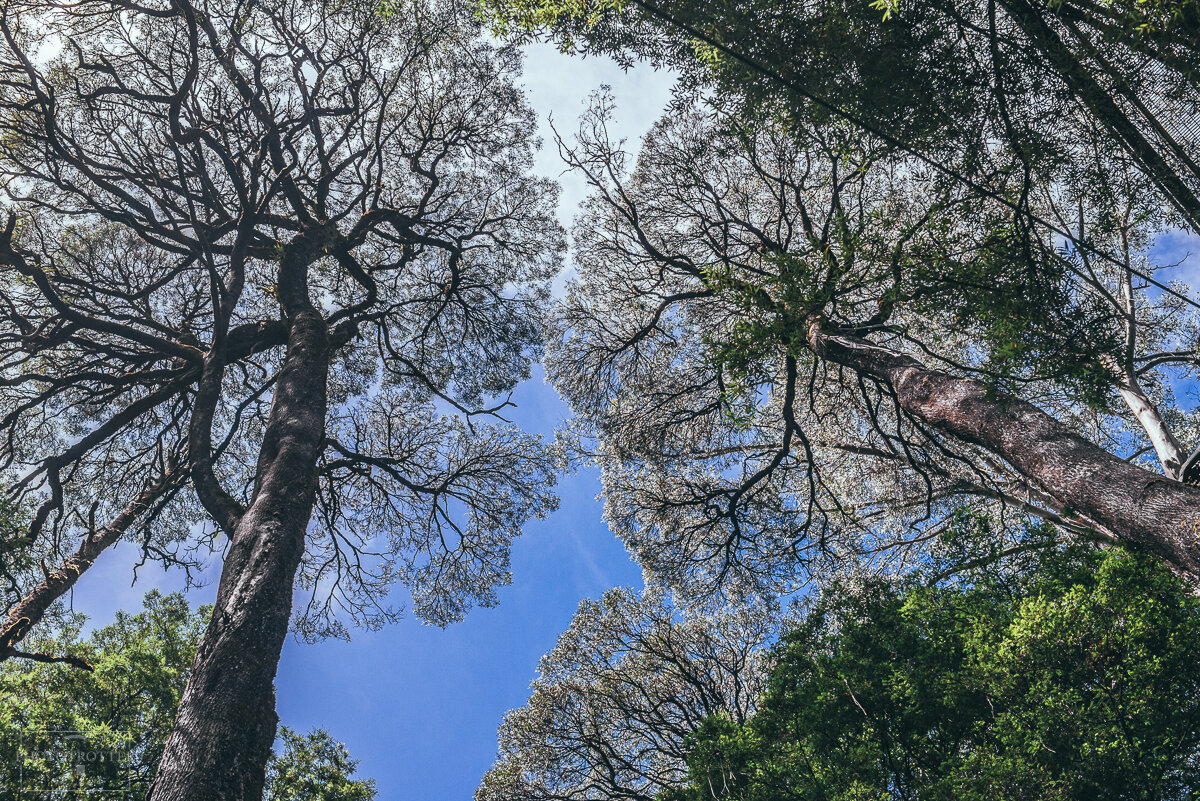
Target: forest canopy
271,272
816,318
1071,676
880,266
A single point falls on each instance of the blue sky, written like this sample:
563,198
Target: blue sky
418,705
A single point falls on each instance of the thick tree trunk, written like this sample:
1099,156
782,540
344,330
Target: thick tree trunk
221,740
1146,509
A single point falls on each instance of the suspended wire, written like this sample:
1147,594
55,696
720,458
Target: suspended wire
946,169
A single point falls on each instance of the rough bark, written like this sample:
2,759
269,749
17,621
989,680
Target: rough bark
1143,508
226,723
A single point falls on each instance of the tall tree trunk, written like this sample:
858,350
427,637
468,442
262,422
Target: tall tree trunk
221,740
1146,509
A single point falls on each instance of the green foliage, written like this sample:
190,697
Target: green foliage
899,67
1027,314
776,308
527,15
124,707
1071,677
120,713
1152,21
315,767
905,78
15,555
1014,297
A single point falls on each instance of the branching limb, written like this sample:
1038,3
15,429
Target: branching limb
29,611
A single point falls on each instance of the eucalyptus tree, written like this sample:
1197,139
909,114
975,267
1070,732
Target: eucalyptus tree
268,273
796,344
615,702
1009,164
